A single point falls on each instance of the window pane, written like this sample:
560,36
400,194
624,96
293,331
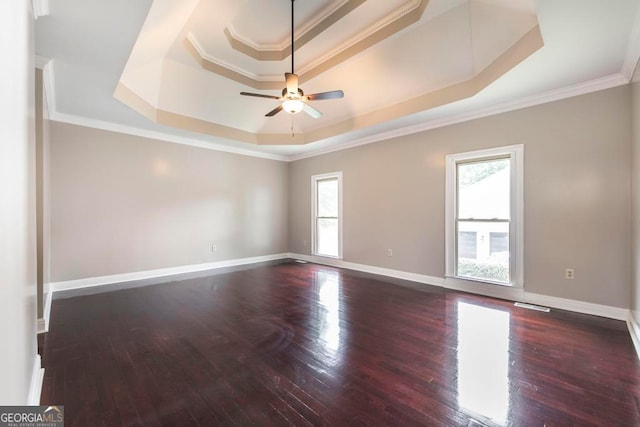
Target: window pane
467,244
491,260
498,242
483,189
328,198
327,235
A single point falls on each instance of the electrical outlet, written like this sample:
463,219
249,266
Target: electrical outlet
569,273
389,252
214,248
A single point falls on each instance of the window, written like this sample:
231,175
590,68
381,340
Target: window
327,214
484,216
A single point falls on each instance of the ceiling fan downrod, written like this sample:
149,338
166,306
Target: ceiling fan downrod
292,40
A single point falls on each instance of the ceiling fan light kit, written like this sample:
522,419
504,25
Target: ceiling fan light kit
293,99
293,106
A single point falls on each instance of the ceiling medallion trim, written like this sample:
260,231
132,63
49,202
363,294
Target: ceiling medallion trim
522,49
372,36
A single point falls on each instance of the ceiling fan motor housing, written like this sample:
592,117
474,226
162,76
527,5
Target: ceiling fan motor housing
287,95
293,98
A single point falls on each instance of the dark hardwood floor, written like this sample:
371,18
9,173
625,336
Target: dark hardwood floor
299,345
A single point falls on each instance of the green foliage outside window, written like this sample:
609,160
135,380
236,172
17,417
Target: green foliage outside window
483,270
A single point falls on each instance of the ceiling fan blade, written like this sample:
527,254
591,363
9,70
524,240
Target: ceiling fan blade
292,83
334,94
274,111
312,111
259,95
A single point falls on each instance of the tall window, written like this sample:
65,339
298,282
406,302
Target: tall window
484,216
327,214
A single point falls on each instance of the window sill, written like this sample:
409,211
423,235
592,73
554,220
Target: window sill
488,282
327,256
504,291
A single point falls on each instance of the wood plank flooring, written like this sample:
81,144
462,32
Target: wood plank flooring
302,344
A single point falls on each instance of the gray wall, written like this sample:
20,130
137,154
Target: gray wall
635,199
577,186
17,209
121,204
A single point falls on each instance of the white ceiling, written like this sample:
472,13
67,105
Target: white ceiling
97,45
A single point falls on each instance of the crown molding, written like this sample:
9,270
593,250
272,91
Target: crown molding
584,88
41,61
205,57
40,8
279,51
236,40
374,34
306,32
145,133
227,70
591,86
633,49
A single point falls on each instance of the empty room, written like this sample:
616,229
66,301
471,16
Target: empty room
336,212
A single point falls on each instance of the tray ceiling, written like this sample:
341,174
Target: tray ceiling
176,68
415,60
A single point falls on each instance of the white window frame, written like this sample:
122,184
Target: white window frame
516,224
314,201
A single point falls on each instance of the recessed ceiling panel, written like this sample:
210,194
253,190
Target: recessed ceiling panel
266,24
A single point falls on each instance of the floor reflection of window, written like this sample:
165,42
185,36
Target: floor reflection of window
329,313
483,361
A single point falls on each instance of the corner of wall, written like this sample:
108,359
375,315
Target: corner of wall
634,288
634,331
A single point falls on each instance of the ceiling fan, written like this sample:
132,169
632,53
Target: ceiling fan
293,98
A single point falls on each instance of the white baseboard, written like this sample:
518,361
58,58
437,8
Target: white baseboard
577,306
514,294
47,307
151,274
634,331
496,291
43,322
35,388
398,274
519,294
41,326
